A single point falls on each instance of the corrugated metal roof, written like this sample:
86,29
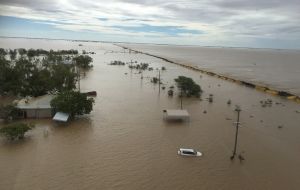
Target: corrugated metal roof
61,116
177,114
41,102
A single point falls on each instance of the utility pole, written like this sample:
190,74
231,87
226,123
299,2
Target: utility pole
180,98
238,110
159,81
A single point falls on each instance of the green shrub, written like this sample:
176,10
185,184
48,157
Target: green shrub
16,130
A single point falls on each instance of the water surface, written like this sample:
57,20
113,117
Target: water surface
125,144
279,69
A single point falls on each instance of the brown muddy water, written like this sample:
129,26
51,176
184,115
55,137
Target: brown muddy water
125,144
273,68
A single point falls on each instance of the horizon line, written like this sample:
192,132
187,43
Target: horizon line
229,47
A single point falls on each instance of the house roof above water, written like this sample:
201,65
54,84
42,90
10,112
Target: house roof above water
61,116
41,102
177,114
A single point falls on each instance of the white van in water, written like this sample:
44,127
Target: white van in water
188,152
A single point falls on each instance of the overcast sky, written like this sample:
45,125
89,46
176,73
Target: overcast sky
247,23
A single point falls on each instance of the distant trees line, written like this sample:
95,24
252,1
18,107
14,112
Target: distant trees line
50,72
35,52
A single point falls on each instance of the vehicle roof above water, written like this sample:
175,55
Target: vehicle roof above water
187,149
178,113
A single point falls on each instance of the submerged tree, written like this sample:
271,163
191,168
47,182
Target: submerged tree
22,52
16,130
9,112
29,77
74,103
2,52
13,54
188,87
83,61
63,77
5,75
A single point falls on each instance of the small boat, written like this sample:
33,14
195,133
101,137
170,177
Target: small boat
188,152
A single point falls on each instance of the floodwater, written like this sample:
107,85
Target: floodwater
125,143
278,69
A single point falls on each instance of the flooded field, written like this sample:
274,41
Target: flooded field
278,69
125,143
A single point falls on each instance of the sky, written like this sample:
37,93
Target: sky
234,23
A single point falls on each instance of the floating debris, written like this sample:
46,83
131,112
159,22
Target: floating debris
251,116
229,102
154,80
170,92
204,111
210,98
280,126
46,132
117,63
227,118
241,157
163,87
163,68
141,66
267,102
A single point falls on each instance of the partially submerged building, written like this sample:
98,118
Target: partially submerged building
61,117
176,115
38,107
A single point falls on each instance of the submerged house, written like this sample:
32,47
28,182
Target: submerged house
176,114
38,107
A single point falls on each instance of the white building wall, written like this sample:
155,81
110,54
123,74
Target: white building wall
39,113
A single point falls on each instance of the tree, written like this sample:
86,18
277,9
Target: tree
188,87
16,130
31,53
13,54
22,51
74,103
63,77
2,52
35,77
4,75
9,112
83,61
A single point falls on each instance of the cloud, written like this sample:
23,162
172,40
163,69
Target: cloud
209,21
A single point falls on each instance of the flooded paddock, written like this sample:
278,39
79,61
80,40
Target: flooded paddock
125,143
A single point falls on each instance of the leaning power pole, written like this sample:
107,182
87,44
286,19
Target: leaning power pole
159,81
238,110
181,98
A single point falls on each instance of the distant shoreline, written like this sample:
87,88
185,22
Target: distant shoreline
268,90
113,42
